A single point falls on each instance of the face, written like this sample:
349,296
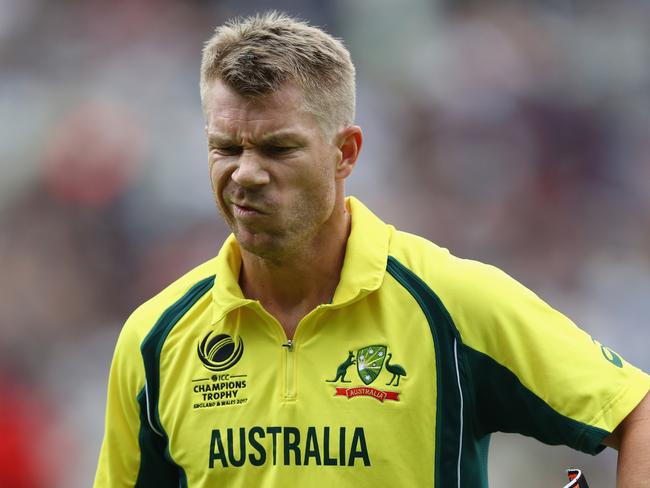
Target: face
273,171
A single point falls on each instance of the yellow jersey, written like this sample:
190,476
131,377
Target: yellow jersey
398,381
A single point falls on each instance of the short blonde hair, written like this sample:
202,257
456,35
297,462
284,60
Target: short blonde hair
256,55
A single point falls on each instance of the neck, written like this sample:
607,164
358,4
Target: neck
290,287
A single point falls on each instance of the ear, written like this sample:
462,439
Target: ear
349,142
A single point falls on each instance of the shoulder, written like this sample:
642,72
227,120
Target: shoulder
441,270
145,317
127,377
478,296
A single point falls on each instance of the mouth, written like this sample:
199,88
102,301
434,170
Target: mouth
246,210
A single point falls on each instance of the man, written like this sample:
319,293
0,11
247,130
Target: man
322,346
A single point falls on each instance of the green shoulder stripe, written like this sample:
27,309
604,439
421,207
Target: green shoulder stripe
153,439
451,401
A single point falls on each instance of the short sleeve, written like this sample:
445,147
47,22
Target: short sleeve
532,370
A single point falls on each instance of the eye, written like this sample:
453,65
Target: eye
278,150
226,150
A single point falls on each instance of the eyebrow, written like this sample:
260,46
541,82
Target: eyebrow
274,138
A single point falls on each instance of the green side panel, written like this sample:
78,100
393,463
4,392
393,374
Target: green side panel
157,468
452,404
508,406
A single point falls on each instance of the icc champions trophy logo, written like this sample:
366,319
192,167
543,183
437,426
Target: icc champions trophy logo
220,352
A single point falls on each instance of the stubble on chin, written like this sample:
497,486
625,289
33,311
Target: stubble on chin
261,246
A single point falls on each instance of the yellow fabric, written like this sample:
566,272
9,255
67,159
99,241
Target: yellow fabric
390,430
550,355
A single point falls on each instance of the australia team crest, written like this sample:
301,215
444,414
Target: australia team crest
370,361
373,363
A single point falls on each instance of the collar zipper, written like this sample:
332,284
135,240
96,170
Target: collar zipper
289,379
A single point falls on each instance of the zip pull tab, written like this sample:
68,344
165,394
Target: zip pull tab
288,345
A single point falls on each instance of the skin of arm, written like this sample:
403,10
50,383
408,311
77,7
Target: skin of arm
632,439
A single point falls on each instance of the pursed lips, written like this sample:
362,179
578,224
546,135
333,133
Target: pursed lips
247,209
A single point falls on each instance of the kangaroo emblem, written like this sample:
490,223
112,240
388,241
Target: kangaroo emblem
342,370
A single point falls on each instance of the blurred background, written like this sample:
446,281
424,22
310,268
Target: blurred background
516,133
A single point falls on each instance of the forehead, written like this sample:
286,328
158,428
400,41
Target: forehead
228,112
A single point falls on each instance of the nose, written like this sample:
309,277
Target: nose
250,172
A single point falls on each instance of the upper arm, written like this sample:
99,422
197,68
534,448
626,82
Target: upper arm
637,419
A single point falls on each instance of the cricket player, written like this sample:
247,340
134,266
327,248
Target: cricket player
322,347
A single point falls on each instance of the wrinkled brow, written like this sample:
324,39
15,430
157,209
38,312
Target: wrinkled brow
271,139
